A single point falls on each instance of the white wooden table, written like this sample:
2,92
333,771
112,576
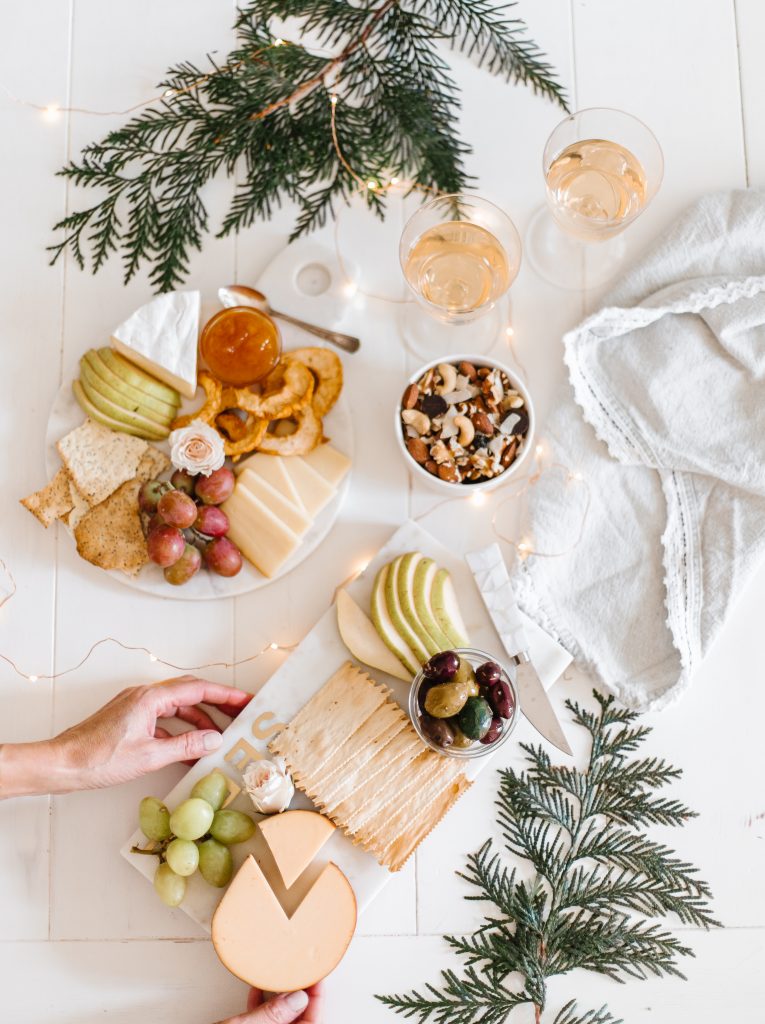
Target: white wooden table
82,937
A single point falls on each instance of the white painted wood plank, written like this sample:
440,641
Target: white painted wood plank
750,31
30,298
168,982
186,633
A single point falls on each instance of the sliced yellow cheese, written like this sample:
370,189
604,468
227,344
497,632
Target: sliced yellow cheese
161,337
295,838
257,942
258,534
328,462
290,514
271,469
313,489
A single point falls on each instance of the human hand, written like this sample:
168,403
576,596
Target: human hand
293,1008
122,740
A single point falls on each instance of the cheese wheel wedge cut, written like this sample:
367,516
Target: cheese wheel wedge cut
259,535
313,489
161,337
328,462
295,838
294,518
257,942
271,469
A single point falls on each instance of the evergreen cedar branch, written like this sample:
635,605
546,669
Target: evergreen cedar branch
597,882
264,114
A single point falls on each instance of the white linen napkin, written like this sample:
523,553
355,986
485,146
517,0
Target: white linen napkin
664,417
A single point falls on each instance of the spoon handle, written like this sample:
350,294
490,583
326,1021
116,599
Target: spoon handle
343,341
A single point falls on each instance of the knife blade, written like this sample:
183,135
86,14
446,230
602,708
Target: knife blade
490,573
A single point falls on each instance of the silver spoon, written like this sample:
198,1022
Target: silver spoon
241,295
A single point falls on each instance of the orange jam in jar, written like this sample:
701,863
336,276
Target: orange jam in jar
240,345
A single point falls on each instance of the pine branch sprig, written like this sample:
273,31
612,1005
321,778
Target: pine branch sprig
598,889
264,115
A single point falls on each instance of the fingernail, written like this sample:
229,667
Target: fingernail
296,1000
212,740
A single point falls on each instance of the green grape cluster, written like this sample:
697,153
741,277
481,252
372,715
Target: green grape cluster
196,836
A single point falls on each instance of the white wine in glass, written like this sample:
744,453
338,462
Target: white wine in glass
602,168
459,255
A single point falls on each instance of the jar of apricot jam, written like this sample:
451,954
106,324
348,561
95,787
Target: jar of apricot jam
240,345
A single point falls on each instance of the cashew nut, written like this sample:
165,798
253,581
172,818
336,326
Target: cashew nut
418,420
466,430
449,378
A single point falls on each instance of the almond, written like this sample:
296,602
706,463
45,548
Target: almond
432,467
508,455
418,450
449,472
411,395
468,370
482,423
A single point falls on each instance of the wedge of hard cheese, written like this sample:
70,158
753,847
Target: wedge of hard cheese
258,533
290,514
257,942
314,491
295,838
271,469
161,337
329,463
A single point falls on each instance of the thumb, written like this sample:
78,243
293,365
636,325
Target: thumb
186,746
280,1010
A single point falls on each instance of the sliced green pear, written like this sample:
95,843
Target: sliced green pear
406,599
398,618
384,624
363,641
139,378
95,414
154,408
91,378
446,609
424,575
149,430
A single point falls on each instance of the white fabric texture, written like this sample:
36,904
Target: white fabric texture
664,417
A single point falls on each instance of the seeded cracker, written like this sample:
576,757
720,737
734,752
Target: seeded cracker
52,502
80,507
153,463
99,460
110,535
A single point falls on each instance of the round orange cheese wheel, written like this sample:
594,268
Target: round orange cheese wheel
256,940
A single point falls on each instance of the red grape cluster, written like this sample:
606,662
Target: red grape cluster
184,526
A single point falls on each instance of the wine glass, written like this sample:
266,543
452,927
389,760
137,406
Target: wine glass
459,255
602,168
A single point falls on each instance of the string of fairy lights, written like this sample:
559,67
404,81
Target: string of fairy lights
523,548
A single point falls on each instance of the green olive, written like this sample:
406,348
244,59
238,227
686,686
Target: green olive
446,700
466,674
475,718
460,741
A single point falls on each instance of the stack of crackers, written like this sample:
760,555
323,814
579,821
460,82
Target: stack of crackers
96,494
354,752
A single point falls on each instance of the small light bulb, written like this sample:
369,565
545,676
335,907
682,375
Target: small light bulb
168,93
51,112
509,332
33,679
333,99
279,42
274,646
152,657
395,181
478,498
524,548
577,476
351,288
372,184
539,450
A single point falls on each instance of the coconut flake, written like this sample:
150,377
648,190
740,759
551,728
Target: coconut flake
507,426
448,428
496,445
455,397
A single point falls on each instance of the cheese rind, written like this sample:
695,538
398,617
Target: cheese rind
293,517
257,942
295,838
162,337
314,491
329,463
260,536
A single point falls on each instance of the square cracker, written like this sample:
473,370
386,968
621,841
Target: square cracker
110,535
329,718
153,463
422,782
100,460
52,502
411,775
366,764
399,852
370,786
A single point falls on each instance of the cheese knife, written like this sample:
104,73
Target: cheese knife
490,572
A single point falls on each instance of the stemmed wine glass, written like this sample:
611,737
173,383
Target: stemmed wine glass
459,255
602,168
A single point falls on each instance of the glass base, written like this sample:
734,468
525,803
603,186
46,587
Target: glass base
568,262
428,338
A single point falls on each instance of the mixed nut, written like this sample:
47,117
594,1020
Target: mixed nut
459,704
464,424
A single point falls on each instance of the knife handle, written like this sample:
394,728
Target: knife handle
491,576
514,639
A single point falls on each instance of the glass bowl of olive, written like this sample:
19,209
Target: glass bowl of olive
463,703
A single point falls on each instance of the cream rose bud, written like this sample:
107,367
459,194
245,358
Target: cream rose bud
269,784
197,448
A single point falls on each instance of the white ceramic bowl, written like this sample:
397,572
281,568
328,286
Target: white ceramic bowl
455,490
